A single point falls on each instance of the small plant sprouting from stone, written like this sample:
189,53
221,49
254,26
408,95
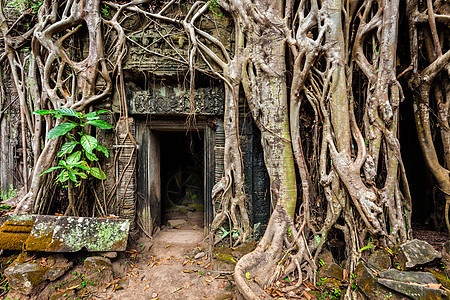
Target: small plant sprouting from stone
336,294
321,281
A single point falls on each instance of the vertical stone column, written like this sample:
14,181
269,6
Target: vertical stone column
126,171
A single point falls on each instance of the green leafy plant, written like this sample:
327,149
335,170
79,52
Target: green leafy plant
104,10
336,294
321,262
78,152
76,162
5,207
215,8
370,246
36,5
321,281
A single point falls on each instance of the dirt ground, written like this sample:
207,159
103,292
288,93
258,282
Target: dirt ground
172,265
165,272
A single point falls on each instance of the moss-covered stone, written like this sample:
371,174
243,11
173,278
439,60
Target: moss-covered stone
416,253
331,270
367,282
25,277
26,274
380,259
244,248
14,231
70,234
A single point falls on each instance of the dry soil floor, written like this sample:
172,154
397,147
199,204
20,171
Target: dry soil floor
165,272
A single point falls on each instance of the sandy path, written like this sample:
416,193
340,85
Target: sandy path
164,272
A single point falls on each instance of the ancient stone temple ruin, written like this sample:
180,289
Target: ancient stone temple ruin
179,137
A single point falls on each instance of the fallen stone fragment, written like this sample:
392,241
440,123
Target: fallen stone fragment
14,230
62,234
176,222
57,265
98,270
416,285
446,250
94,263
380,259
26,276
111,254
93,275
331,270
367,282
416,253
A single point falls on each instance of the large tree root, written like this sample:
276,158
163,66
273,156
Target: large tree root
254,271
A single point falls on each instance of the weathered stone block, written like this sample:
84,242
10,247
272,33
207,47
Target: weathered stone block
14,231
368,283
176,222
331,270
416,253
380,259
57,266
25,277
172,99
71,234
416,285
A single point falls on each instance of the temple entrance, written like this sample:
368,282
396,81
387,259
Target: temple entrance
182,178
175,174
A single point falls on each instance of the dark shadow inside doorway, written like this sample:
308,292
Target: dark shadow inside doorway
182,177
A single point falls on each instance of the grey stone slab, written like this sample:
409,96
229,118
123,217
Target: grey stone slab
416,253
71,234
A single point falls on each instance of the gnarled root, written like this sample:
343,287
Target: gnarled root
254,271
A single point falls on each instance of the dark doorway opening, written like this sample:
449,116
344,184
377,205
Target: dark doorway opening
182,177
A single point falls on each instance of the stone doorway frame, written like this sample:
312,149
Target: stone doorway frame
148,206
